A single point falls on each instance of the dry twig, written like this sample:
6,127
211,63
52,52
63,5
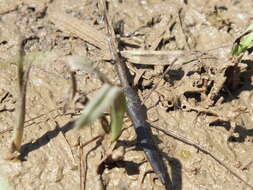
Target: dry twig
200,148
136,111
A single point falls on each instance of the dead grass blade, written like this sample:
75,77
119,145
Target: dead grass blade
76,27
150,57
80,29
22,84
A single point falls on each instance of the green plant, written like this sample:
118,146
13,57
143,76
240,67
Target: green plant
243,42
109,97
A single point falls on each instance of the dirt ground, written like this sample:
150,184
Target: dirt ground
206,99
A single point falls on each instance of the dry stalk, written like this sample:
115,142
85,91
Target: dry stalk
136,111
22,84
78,28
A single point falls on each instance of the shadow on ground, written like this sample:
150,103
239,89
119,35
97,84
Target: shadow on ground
174,182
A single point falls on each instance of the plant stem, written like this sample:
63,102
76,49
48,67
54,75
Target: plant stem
136,111
21,102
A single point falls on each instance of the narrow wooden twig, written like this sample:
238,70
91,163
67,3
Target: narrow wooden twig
200,148
81,169
84,161
136,111
73,84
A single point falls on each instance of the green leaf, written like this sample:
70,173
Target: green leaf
242,43
117,115
98,105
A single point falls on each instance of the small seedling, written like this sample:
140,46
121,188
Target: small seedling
109,97
21,102
22,79
242,43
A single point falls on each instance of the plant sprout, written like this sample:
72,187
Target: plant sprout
21,100
242,43
109,97
22,78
